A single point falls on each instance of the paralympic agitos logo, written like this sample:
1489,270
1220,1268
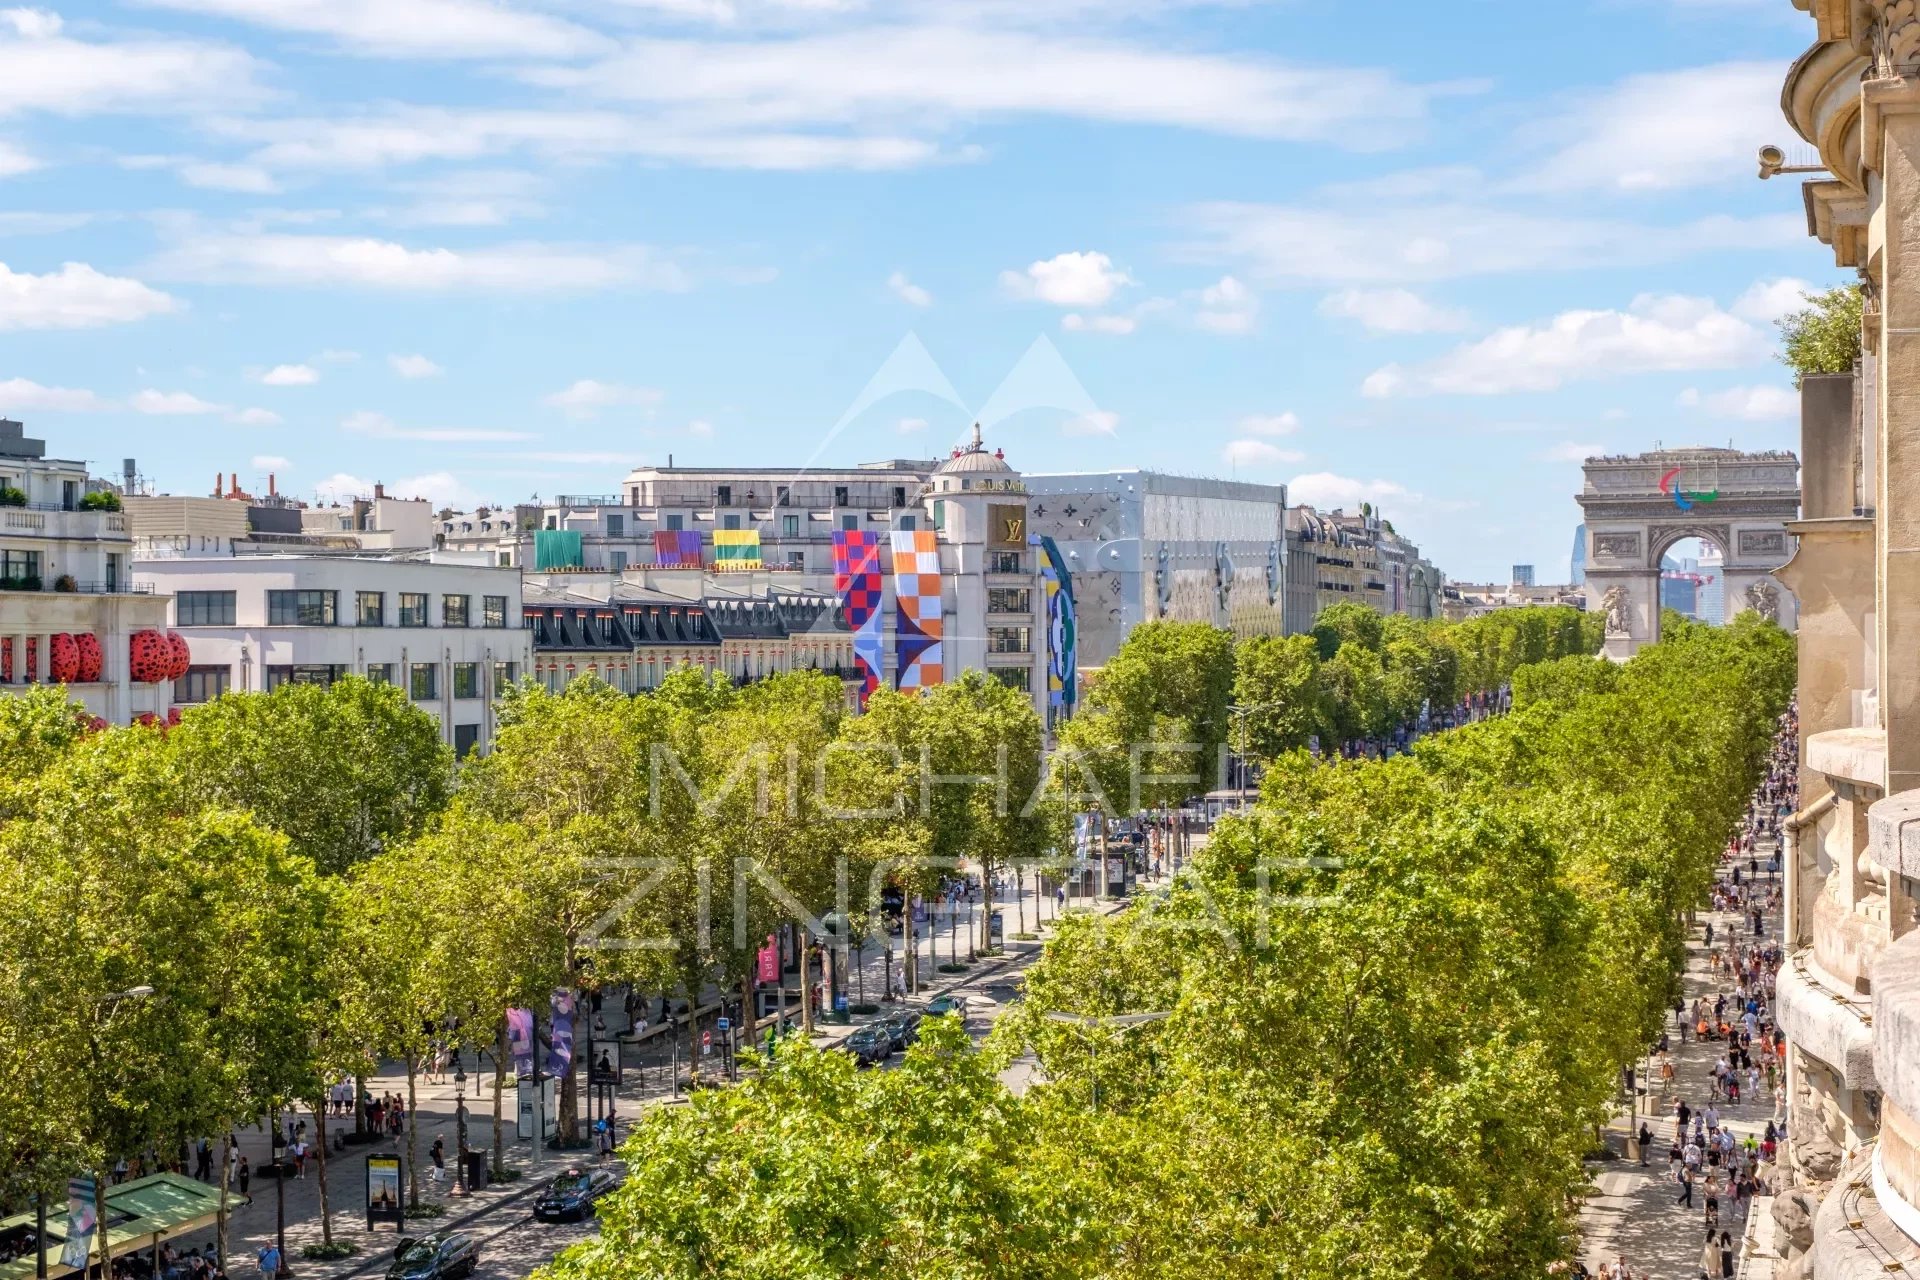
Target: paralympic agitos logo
1682,499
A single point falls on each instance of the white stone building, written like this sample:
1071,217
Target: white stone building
451,634
65,571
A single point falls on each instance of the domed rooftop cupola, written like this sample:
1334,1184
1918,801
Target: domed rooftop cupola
971,462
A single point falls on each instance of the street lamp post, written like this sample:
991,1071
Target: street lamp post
1121,1021
460,1187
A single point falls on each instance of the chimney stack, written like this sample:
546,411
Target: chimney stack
273,490
379,491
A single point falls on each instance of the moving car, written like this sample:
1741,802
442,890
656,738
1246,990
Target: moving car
868,1044
570,1196
947,1004
444,1255
902,1027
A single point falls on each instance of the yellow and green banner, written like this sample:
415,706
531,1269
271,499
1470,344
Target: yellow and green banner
736,549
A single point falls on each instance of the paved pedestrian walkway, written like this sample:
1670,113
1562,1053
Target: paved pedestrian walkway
1634,1212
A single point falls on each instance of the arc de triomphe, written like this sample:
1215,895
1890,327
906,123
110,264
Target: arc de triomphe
1637,507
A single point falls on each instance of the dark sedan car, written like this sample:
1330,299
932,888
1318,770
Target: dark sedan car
902,1027
939,1006
571,1195
868,1044
444,1255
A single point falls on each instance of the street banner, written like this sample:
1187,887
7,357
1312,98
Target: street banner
861,586
560,1034
385,1208
1056,583
770,961
676,548
918,619
520,1040
80,1224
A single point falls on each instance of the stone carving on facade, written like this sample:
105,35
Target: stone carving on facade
1896,37
1762,542
1615,605
1223,573
1664,536
1764,599
1623,546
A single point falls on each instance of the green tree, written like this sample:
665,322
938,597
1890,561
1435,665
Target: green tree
1279,693
1823,336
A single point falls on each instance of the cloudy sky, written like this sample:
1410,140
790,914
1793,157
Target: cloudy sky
487,249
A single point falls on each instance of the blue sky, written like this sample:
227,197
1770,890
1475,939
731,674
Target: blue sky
1425,255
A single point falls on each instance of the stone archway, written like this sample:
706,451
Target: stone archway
1738,502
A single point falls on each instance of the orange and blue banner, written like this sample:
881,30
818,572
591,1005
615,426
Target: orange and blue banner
918,623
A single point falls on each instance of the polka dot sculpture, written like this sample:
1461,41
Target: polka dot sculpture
93,659
151,657
63,659
182,655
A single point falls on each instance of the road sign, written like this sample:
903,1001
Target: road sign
724,1024
706,1042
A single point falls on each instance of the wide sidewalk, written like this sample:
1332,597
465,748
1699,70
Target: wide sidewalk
1632,1212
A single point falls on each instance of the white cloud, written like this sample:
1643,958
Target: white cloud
1663,130
380,427
912,426
271,462
245,178
907,291
1656,333
699,427
43,69
15,161
341,486
1074,322
1392,311
280,259
1327,492
1068,280
587,397
17,396
922,74
255,418
1227,306
1570,452
1259,453
414,366
1097,423
1394,244
75,297
172,404
441,488
1271,424
289,375
1749,404
412,28
1768,300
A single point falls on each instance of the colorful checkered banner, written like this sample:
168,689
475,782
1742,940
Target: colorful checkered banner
735,550
861,586
917,620
676,548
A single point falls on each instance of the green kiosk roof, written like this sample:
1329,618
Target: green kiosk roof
139,1215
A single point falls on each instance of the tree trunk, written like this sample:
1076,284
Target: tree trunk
986,907
320,1169
220,1214
910,953
1103,857
569,1100
413,1135
1020,895
806,979
105,1248
499,1089
359,1105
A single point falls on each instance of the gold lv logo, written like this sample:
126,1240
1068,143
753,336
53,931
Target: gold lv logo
1013,524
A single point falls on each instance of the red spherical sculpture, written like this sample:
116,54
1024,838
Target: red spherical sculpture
63,659
182,655
151,655
93,659
173,715
6,659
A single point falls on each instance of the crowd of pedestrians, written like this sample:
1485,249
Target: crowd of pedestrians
1716,1173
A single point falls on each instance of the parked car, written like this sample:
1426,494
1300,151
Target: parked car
444,1255
868,1044
571,1195
944,1004
902,1027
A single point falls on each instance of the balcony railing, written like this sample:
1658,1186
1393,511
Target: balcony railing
60,522
77,588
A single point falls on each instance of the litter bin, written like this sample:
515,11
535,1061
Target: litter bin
1633,1148
476,1169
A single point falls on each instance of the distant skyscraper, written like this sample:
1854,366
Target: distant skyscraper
1711,597
1523,575
1577,576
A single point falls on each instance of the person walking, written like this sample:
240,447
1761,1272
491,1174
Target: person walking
438,1154
269,1260
1646,1140
1710,1257
1727,1258
1685,1199
245,1174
